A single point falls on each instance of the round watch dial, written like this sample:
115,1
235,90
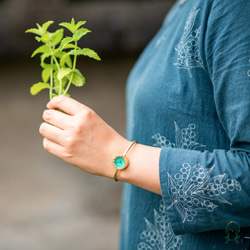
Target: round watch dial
120,162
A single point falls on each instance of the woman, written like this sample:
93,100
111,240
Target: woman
188,106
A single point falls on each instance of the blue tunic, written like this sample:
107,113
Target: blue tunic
189,93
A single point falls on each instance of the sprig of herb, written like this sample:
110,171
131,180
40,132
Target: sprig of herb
59,56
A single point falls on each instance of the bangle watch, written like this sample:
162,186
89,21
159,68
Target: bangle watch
121,162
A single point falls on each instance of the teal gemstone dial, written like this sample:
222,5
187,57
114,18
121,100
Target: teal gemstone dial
120,162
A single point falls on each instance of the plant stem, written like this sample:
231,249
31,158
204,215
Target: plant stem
60,81
73,70
51,80
53,59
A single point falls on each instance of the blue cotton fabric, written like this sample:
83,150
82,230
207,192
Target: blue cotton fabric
189,94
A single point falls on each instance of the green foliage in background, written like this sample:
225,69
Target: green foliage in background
59,56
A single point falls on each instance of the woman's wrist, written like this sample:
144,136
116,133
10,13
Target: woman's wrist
143,169
117,147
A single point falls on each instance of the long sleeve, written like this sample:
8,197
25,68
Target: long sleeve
204,189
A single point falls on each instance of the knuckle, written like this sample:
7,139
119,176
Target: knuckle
79,124
86,113
89,113
70,141
78,127
67,155
86,117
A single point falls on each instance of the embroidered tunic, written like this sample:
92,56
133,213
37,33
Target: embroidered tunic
189,93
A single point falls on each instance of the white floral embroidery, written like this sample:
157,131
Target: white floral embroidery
184,138
194,188
159,236
188,53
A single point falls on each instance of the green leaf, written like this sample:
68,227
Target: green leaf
38,38
66,59
63,72
46,74
34,31
46,25
79,24
78,79
57,36
59,85
41,29
57,89
72,27
46,65
69,26
80,33
66,42
71,46
43,57
56,81
41,49
58,53
85,52
37,87
45,38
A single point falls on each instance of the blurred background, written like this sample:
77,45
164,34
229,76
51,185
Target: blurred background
46,204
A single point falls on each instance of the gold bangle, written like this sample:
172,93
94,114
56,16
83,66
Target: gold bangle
121,162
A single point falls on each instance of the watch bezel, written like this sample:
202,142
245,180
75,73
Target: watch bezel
126,162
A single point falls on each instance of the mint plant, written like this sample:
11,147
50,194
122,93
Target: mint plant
59,57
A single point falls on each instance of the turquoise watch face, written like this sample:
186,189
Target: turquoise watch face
120,162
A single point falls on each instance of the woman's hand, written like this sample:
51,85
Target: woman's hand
77,135
80,137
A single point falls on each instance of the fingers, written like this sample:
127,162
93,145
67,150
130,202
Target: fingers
55,149
57,118
52,133
60,127
66,104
